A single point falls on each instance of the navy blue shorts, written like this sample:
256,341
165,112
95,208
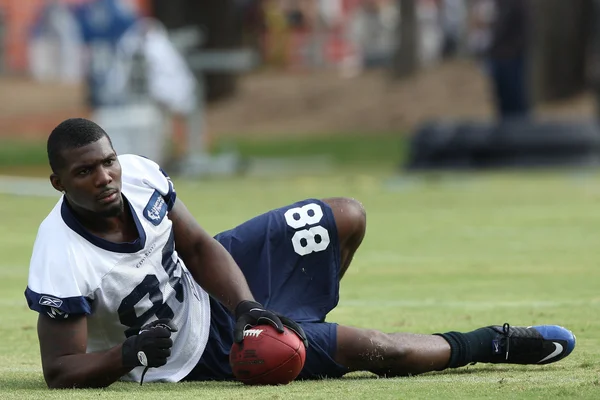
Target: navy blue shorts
291,259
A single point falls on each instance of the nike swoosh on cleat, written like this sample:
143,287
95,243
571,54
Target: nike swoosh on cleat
557,350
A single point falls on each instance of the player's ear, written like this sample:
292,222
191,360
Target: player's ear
56,184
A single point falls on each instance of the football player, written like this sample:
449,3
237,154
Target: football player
128,286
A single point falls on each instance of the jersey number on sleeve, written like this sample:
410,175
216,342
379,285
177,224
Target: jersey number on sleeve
150,286
309,240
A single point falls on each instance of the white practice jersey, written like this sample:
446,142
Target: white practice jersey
122,286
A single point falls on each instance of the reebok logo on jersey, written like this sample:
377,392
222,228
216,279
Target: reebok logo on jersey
156,209
50,301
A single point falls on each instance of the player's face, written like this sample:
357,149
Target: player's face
91,178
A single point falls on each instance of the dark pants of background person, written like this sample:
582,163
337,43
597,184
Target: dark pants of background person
510,84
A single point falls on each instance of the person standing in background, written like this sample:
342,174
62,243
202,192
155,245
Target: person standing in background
594,55
507,57
453,19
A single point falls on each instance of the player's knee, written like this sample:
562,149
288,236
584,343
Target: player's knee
370,350
389,354
350,218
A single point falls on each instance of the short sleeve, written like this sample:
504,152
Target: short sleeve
56,306
55,286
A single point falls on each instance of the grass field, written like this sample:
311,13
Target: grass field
452,252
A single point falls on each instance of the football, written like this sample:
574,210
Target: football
267,357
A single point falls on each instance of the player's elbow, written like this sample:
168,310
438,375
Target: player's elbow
54,380
66,383
58,384
59,378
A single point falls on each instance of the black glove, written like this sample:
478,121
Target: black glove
151,346
250,313
295,327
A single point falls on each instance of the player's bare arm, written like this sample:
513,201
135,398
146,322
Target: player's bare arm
65,363
217,272
210,264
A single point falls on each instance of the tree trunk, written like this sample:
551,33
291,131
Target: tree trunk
218,20
405,60
561,36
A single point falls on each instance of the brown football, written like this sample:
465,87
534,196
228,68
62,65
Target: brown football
267,357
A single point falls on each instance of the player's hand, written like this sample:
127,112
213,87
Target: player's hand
250,313
294,327
151,346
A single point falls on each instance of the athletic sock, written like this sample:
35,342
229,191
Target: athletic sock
466,348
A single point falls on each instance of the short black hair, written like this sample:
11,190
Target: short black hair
71,134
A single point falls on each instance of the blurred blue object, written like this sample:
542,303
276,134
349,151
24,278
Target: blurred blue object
103,23
511,143
55,45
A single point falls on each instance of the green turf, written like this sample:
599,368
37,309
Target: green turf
22,153
29,157
344,149
452,253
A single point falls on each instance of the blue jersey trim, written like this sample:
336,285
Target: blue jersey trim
172,195
45,303
128,247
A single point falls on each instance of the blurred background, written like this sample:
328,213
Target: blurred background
467,128
223,87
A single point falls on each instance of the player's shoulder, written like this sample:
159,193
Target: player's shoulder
145,182
52,229
57,269
55,244
141,171
132,163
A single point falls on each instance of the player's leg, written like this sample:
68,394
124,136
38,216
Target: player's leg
361,349
351,221
395,354
291,256
400,354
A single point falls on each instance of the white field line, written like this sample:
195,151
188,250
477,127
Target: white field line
24,186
